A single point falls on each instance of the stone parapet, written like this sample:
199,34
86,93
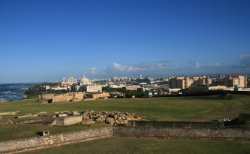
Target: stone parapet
54,140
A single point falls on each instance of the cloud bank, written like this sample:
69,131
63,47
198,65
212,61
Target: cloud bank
122,68
167,67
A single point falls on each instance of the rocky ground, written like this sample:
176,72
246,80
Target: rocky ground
67,118
112,118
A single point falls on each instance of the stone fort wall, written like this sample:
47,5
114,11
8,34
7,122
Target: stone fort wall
54,140
205,133
72,96
161,131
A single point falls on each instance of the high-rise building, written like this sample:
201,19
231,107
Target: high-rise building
239,81
70,81
177,82
187,82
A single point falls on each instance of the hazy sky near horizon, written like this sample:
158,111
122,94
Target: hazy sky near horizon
45,40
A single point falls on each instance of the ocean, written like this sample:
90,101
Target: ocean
10,92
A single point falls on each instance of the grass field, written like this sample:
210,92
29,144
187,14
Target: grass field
129,145
167,108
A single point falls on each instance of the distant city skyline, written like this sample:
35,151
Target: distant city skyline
48,40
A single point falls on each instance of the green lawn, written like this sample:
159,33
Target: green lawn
168,108
127,145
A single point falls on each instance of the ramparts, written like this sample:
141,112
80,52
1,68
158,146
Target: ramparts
68,97
164,132
100,95
174,124
161,129
54,140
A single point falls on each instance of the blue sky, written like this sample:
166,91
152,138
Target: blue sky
46,40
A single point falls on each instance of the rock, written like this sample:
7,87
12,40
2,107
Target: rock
42,113
62,112
61,115
100,119
112,118
110,121
85,118
75,113
87,123
125,122
25,116
112,115
8,113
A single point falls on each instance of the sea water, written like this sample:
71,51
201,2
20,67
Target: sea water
10,92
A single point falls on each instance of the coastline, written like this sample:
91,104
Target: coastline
12,92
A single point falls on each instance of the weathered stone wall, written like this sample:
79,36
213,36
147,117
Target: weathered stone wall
164,132
174,124
94,88
73,96
62,98
182,132
46,96
67,121
29,121
100,95
79,96
41,142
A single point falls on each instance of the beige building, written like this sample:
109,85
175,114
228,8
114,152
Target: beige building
133,87
94,89
59,88
239,81
199,88
176,83
202,81
87,86
70,81
180,82
187,82
116,86
217,87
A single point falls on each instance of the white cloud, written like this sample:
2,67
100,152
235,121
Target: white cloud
217,64
126,68
157,65
192,65
93,70
245,61
147,66
197,65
